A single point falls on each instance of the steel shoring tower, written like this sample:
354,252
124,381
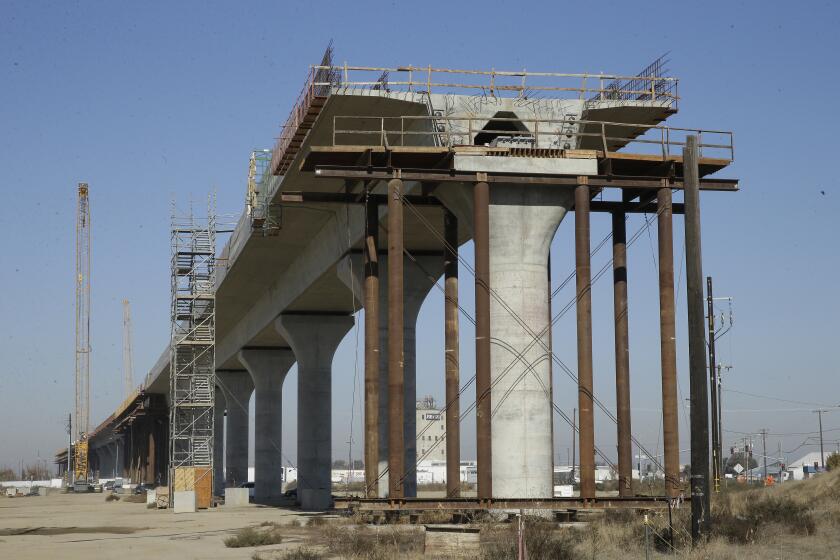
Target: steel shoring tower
192,350
82,414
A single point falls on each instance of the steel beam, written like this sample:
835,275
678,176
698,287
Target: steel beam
371,348
668,343
512,504
451,365
422,175
481,234
291,198
622,354
396,373
584,339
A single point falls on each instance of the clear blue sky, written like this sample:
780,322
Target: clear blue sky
148,100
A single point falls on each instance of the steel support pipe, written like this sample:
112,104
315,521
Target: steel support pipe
700,502
371,289
481,236
451,365
584,340
668,343
622,354
396,372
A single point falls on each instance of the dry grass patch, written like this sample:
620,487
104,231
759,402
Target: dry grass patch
380,543
255,536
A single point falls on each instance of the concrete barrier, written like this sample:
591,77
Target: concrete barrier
184,501
151,496
236,497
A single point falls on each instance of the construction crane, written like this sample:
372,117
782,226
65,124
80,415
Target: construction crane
128,360
82,417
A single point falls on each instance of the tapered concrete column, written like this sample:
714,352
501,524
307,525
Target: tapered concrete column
420,275
268,368
523,221
313,339
237,387
218,444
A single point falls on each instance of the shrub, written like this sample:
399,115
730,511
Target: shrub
303,554
362,542
112,498
252,536
833,462
541,538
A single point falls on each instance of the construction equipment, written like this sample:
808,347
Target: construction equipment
82,414
128,359
192,356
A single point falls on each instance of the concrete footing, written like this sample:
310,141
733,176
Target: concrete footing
236,497
184,502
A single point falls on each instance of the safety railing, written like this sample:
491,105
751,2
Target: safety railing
565,134
591,89
497,83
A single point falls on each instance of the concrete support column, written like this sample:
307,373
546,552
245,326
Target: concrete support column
237,387
313,339
268,368
219,443
523,222
419,277
150,454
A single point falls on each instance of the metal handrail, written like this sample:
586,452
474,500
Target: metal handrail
462,130
657,88
323,78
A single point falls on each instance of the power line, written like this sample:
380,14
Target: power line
768,397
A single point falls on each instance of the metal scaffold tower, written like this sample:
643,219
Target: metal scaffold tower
192,354
82,414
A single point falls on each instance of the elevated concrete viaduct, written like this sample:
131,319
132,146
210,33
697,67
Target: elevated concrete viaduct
507,165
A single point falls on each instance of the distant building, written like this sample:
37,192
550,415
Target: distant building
431,431
807,466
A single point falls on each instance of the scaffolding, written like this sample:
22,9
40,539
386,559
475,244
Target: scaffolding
192,353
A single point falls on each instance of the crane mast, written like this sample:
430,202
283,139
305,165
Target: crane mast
128,359
82,415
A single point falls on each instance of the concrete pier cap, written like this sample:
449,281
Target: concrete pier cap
523,221
268,368
236,385
314,339
419,277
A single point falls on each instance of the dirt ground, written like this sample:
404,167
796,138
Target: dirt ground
85,526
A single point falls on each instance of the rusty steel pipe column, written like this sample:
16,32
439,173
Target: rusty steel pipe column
584,340
622,354
481,236
396,381
450,314
371,349
701,514
668,342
